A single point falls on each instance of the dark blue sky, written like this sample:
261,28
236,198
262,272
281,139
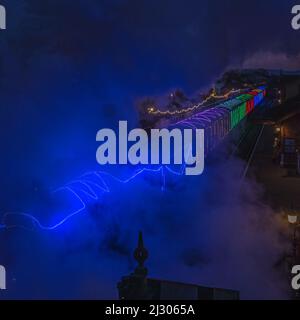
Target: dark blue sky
71,67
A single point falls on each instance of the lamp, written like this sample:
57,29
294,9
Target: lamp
293,215
292,218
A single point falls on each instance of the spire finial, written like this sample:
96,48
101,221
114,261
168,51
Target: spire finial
141,255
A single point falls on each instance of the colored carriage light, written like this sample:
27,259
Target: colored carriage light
278,129
219,120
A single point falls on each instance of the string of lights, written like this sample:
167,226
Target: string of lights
154,111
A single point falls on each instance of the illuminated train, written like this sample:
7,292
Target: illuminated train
218,121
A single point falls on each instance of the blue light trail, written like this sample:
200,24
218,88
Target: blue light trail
84,185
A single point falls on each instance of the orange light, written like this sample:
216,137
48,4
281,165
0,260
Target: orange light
195,107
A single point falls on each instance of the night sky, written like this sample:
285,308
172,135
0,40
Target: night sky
69,68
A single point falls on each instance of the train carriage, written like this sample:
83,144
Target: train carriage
259,95
249,100
218,121
235,112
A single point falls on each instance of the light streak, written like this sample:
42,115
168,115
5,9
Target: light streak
86,190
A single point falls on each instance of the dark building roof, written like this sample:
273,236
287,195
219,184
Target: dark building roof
282,113
290,79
